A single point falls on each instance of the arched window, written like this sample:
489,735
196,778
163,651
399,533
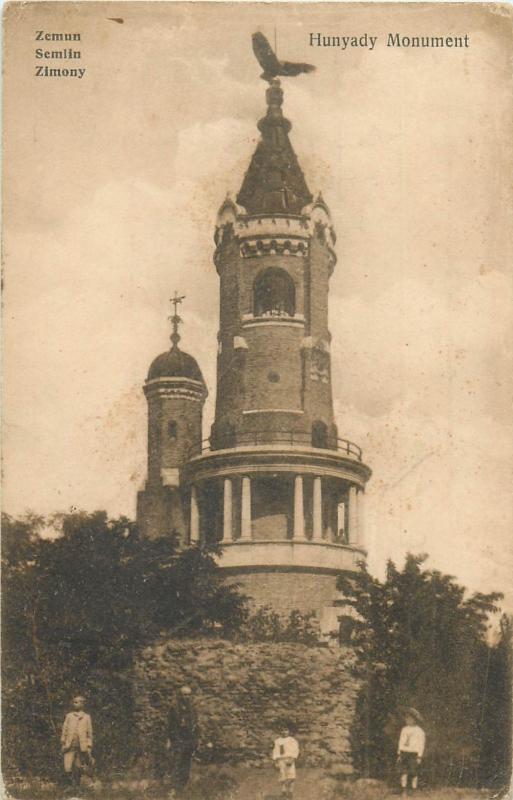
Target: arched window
172,429
319,434
274,294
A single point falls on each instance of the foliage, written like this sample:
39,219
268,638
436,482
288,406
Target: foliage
75,608
266,625
496,712
79,603
420,642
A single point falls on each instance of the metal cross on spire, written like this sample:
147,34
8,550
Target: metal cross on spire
175,319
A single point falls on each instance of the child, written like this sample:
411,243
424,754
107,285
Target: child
285,752
410,750
76,741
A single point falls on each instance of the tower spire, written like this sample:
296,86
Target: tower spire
274,182
175,319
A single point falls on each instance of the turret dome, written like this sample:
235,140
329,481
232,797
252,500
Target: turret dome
175,364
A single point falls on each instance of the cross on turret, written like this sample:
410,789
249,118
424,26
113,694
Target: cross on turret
176,319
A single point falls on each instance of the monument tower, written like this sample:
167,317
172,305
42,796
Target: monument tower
274,483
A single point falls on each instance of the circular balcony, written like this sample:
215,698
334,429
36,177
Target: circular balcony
278,495
276,452
277,438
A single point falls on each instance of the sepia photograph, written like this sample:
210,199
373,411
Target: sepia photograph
257,518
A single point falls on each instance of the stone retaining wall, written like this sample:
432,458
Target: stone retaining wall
243,692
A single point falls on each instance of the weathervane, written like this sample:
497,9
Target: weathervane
176,319
271,65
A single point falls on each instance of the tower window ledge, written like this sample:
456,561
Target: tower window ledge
273,411
250,321
309,542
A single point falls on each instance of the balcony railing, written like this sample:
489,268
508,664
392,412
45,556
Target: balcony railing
290,438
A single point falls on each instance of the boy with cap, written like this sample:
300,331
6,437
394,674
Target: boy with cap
410,750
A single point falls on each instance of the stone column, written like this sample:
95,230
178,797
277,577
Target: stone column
353,515
317,508
227,511
361,518
299,512
245,523
195,521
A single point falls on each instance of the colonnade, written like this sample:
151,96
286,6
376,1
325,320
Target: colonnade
355,512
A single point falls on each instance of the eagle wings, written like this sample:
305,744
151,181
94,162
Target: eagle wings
272,67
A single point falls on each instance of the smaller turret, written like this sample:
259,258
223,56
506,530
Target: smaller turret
175,391
227,213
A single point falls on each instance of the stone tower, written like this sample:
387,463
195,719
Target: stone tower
175,392
274,483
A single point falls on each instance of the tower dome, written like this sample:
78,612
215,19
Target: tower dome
175,364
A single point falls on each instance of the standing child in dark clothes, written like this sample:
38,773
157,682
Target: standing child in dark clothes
182,738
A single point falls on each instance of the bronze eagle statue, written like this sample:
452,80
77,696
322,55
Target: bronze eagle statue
272,67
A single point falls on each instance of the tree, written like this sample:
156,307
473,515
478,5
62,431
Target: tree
497,727
420,642
76,608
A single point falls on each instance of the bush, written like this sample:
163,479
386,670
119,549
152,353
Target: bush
266,625
421,642
76,608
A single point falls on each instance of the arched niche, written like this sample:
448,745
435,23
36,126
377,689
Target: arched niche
274,294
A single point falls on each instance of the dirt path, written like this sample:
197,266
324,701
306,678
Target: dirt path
313,784
251,784
262,784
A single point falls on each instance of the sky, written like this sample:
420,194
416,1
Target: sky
111,188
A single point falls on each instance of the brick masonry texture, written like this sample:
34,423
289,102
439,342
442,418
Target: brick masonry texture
243,692
244,381
171,451
288,591
273,352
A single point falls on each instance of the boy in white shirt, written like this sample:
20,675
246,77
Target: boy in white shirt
410,750
285,752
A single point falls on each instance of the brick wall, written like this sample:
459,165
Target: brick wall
273,370
318,400
288,591
229,364
271,507
242,693
160,512
319,288
243,377
166,450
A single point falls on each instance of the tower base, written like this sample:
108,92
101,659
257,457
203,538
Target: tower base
286,590
159,513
